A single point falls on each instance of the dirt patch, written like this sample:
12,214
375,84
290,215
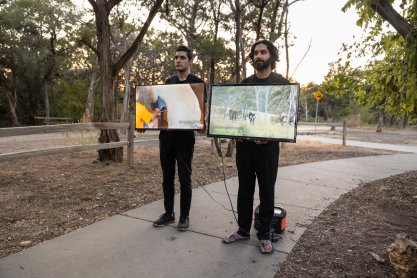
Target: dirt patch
350,238
45,197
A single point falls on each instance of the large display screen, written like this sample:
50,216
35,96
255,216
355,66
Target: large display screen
258,112
170,106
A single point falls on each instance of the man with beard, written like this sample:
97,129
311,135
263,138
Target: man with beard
177,146
258,159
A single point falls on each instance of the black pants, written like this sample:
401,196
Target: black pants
261,162
176,146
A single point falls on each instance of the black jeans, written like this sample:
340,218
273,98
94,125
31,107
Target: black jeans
176,146
261,162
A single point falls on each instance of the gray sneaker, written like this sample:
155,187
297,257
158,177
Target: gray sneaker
164,219
183,224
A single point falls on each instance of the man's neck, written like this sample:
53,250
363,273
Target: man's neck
183,75
264,73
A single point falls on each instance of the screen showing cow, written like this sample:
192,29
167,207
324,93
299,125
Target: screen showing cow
170,106
258,112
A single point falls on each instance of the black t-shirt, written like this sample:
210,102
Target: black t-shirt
191,78
273,78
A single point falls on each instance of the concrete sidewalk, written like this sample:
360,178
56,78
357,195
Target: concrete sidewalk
128,246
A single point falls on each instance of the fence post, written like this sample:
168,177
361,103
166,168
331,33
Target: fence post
344,132
131,140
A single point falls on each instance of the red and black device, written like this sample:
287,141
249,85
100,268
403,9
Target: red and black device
279,220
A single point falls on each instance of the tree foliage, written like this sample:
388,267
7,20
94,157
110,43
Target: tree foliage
391,78
34,52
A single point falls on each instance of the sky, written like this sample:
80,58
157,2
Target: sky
324,24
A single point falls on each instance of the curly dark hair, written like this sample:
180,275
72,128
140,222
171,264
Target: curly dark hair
271,48
185,49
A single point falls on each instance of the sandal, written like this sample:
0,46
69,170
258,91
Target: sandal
233,238
266,247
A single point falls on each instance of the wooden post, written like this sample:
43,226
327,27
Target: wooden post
344,132
131,140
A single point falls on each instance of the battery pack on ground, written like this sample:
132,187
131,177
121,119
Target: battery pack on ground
279,220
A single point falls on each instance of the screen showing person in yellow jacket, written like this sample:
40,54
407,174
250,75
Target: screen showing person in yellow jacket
143,116
146,117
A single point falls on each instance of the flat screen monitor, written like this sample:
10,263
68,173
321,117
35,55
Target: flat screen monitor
170,106
254,112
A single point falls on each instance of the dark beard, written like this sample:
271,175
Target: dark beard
261,66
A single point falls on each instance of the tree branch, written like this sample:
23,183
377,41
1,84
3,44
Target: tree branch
133,48
93,4
387,12
112,3
295,1
89,45
305,54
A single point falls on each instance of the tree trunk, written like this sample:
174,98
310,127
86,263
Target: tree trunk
12,106
89,107
258,25
274,30
405,121
108,107
218,147
12,100
380,121
287,54
191,32
126,96
47,111
230,147
237,12
48,78
216,18
237,47
306,110
242,50
109,72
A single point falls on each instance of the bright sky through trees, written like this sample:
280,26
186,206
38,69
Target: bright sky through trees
320,21
324,23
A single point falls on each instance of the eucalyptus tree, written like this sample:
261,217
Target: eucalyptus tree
111,66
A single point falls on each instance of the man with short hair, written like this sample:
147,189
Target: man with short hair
177,146
258,159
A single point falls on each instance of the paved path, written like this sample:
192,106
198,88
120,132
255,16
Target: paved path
128,246
381,146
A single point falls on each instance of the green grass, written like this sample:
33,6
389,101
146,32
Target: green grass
264,127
